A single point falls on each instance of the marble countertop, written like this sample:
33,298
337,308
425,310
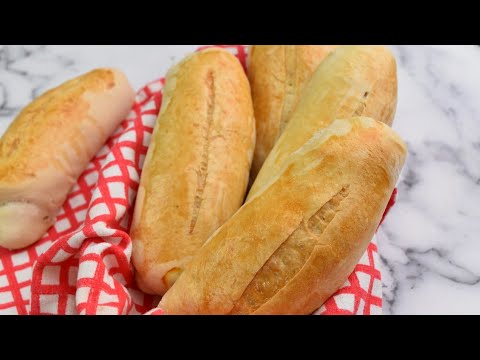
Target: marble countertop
430,243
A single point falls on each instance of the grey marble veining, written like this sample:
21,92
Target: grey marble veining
430,243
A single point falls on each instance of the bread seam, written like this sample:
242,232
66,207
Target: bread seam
202,174
363,105
290,84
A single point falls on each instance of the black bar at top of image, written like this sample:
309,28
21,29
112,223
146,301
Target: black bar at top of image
242,23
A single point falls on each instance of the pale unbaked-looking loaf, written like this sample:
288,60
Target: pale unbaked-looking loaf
49,145
289,248
197,167
352,81
277,76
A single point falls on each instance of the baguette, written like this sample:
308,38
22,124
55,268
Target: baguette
49,145
353,81
296,242
197,167
277,75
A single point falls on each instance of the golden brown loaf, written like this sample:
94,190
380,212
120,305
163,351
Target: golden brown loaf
353,81
297,240
277,75
48,146
197,167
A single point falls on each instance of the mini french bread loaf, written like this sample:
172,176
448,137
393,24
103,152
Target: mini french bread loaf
49,145
197,167
352,81
291,247
277,75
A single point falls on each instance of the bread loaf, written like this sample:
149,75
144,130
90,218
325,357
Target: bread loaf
291,247
49,145
353,81
277,76
197,167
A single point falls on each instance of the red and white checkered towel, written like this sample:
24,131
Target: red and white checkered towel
82,265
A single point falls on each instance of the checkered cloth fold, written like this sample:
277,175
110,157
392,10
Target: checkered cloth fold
83,264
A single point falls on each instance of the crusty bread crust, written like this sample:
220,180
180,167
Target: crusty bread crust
353,81
48,146
296,241
197,167
277,76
